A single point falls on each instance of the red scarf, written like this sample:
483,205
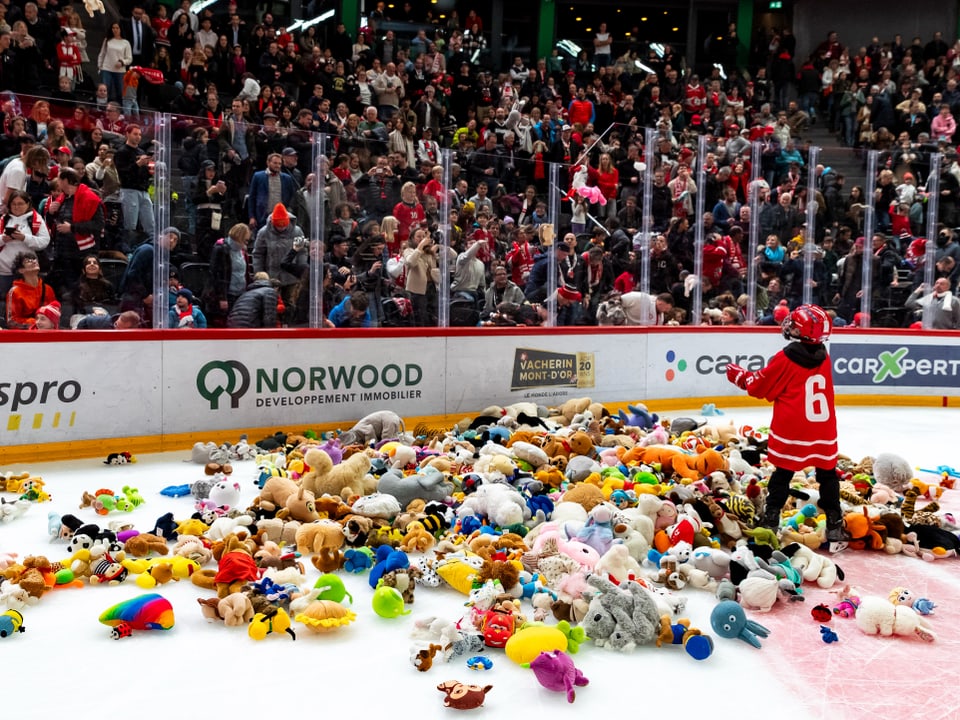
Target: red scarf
85,205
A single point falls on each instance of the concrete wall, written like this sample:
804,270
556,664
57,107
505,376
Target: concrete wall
858,22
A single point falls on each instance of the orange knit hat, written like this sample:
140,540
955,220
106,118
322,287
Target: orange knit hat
280,218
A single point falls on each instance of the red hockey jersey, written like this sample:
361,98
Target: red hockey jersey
804,427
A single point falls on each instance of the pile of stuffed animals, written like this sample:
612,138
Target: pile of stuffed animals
557,526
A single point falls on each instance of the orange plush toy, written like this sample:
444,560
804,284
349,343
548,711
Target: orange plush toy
662,455
692,468
866,533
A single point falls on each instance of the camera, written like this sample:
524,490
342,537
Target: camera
299,242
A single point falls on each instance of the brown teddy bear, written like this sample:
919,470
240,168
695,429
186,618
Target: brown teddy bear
581,444
236,568
285,499
584,494
145,543
30,575
344,480
313,537
327,560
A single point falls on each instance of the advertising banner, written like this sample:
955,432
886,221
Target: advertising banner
81,390
919,366
55,392
545,369
301,382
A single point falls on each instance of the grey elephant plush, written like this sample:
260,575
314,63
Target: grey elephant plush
427,485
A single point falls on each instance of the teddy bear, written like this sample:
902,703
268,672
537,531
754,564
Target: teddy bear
584,494
347,479
417,538
236,568
30,575
506,573
404,580
618,564
283,498
94,6
314,536
278,530
274,494
145,543
565,413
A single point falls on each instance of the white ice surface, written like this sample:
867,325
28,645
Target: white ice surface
66,664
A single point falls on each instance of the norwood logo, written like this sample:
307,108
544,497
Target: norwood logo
542,368
899,365
317,385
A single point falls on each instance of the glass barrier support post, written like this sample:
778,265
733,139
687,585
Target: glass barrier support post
810,236
443,292
317,230
933,232
697,310
869,226
753,235
554,211
161,183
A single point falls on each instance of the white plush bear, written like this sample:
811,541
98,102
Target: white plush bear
500,503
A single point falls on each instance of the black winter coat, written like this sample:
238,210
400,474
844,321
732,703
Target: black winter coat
255,308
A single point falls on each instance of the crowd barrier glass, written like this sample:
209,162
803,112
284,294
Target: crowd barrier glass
900,199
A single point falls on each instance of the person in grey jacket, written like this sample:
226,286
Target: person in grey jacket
501,290
945,306
257,306
274,242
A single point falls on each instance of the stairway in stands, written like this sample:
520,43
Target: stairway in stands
843,160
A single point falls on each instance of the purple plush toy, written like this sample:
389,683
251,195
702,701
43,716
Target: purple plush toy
556,671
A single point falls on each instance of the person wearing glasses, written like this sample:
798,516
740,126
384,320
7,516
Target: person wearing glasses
28,294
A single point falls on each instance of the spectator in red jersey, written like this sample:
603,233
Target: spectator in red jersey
408,212
803,432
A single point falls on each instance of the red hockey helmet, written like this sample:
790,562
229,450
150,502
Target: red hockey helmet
808,324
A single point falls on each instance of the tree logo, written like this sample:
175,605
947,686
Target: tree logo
220,377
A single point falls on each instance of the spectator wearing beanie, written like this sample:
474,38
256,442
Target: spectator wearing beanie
184,314
273,243
568,304
48,317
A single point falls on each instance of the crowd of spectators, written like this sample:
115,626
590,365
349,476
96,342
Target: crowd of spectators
248,97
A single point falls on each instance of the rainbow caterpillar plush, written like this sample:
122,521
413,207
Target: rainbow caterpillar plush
145,612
